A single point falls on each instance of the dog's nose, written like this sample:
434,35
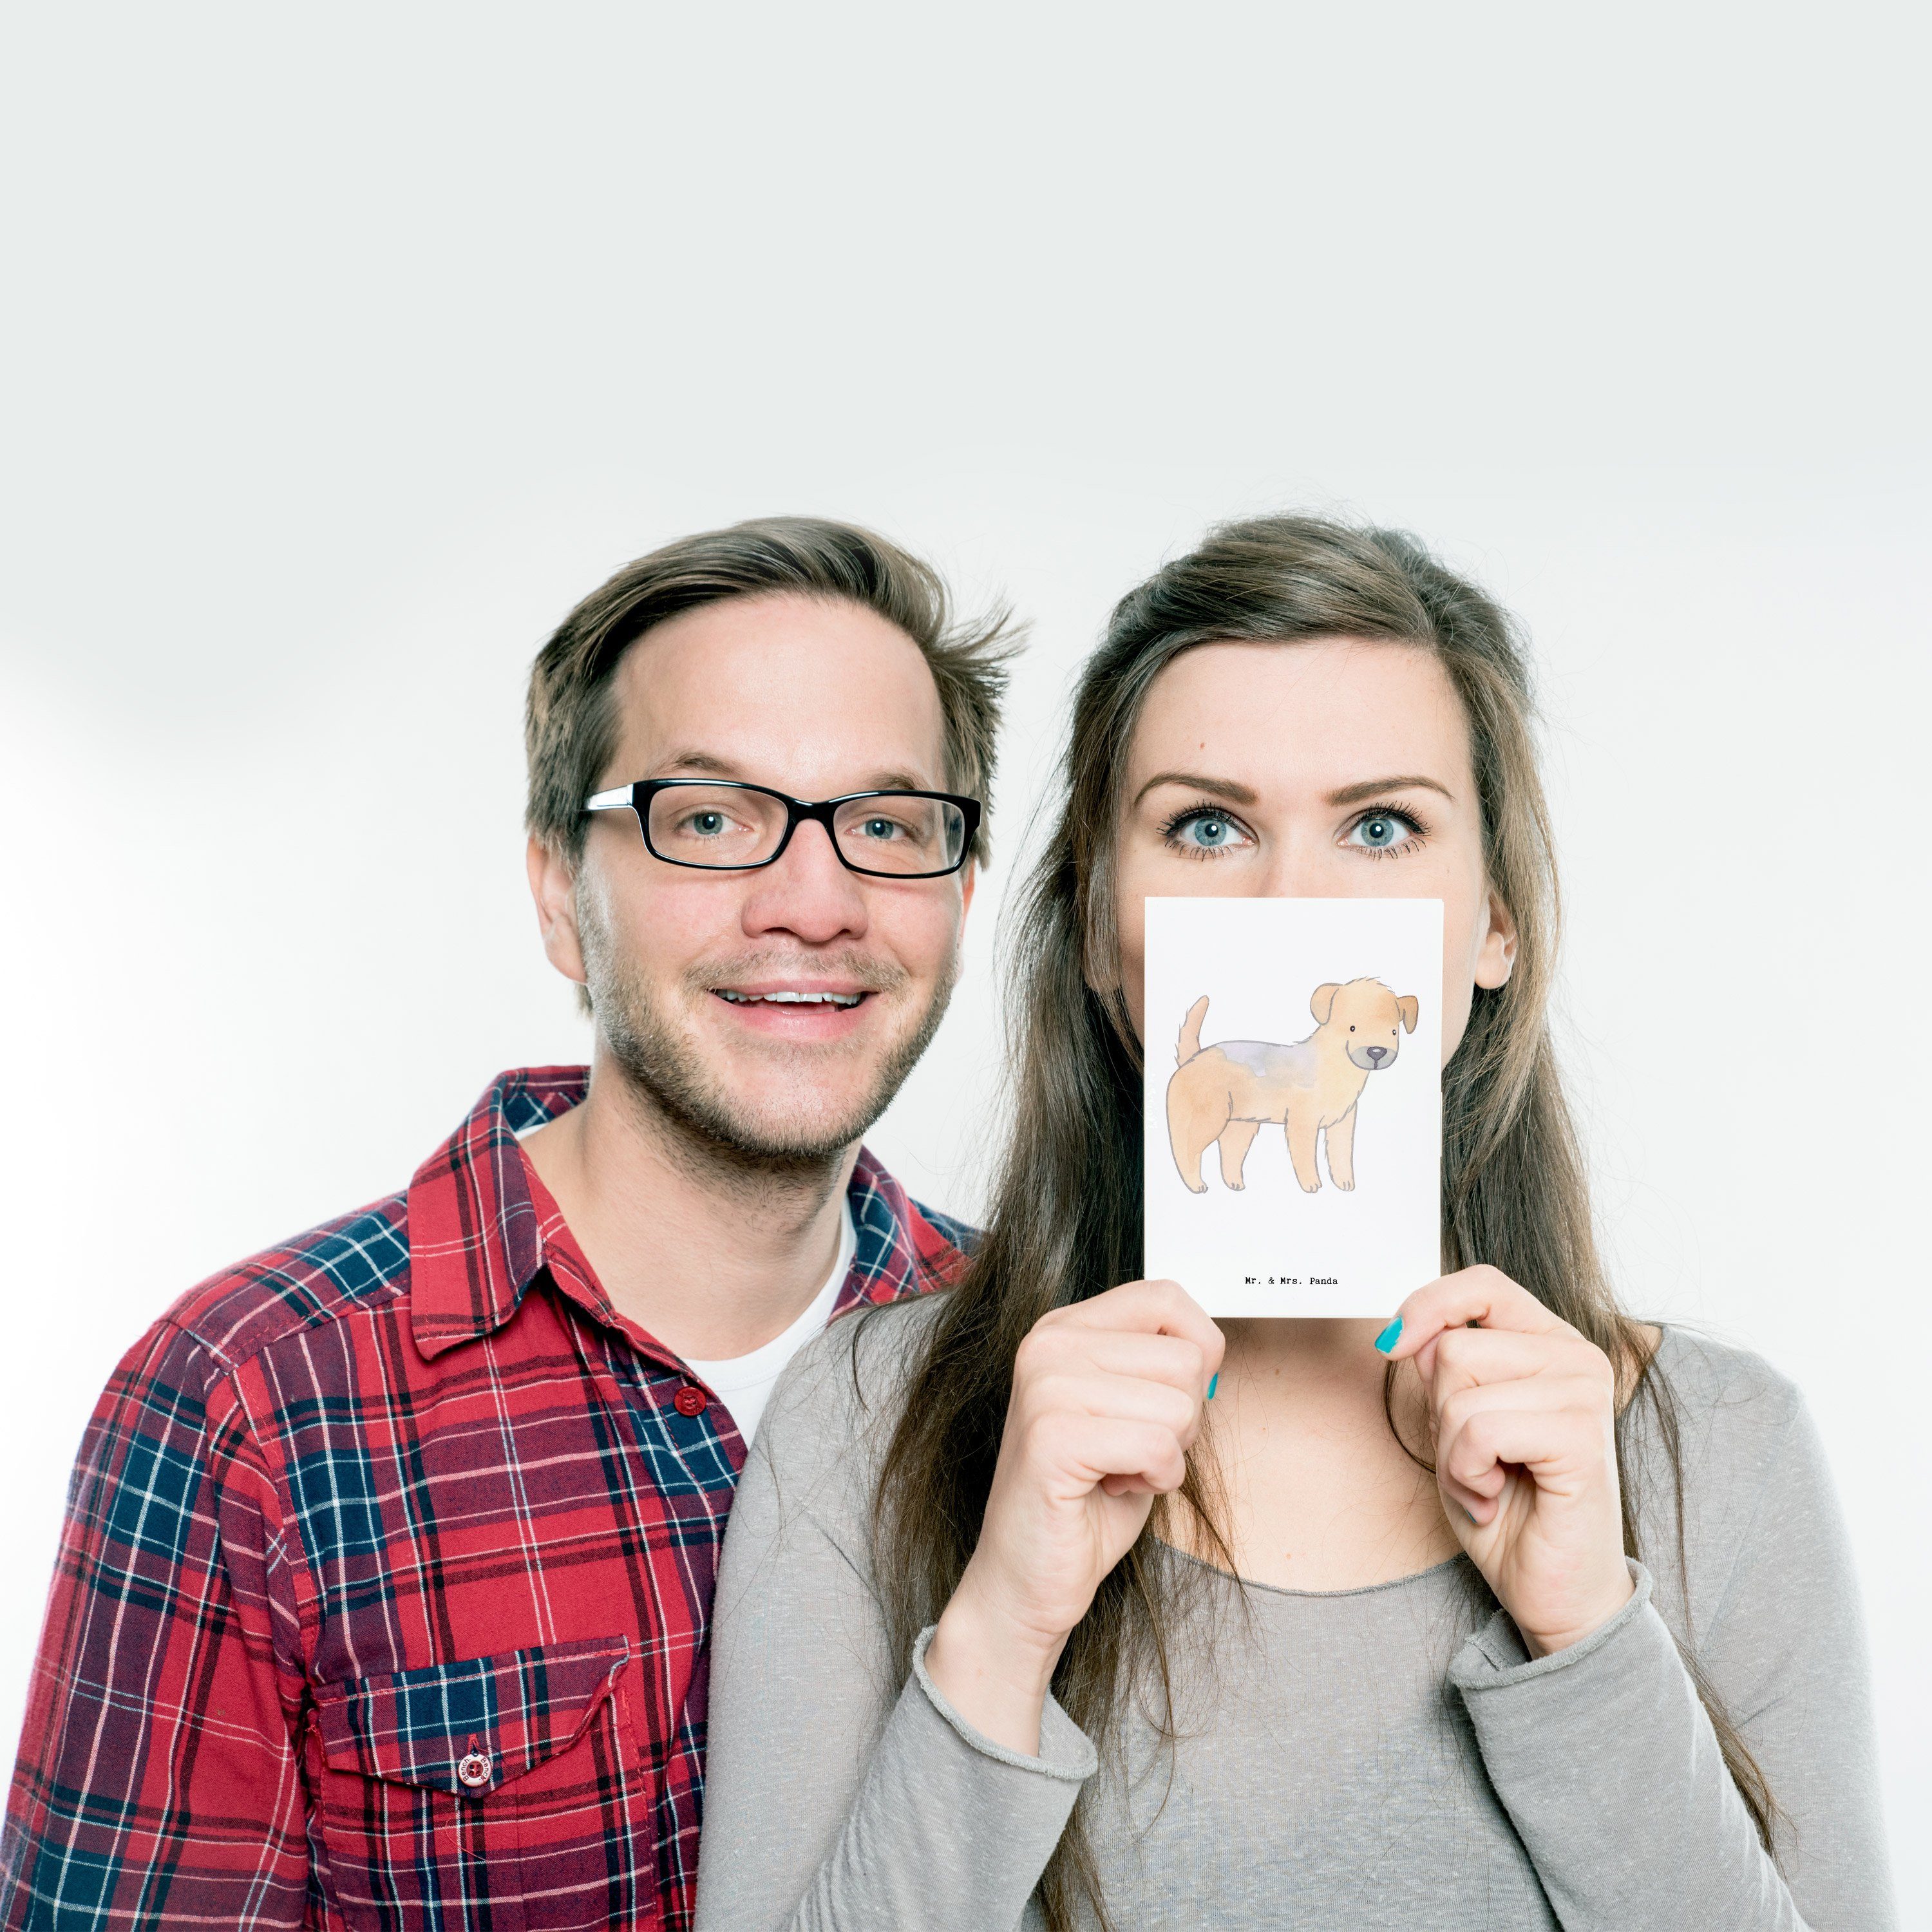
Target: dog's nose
1375,1054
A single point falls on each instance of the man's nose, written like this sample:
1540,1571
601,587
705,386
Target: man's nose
806,891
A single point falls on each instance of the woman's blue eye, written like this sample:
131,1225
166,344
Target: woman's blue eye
1380,829
1203,831
1208,832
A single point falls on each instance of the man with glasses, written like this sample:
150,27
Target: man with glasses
384,1592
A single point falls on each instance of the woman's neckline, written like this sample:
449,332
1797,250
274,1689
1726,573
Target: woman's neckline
1318,1596
1665,1339
1667,1335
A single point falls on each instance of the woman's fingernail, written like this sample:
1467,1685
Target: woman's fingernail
1213,1383
1389,1336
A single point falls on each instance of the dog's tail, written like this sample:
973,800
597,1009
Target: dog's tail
1190,1032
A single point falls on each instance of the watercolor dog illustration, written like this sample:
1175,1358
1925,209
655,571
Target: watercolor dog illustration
1228,1092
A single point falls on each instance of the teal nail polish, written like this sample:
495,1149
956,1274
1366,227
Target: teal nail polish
1213,1383
1389,1336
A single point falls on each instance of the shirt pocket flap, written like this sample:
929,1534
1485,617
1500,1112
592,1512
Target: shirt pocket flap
471,1727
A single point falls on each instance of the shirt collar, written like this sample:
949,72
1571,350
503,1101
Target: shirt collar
899,1252
477,1241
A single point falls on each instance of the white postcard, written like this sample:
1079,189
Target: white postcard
1294,1106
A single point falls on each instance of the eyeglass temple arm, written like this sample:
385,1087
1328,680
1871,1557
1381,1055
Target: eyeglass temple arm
619,800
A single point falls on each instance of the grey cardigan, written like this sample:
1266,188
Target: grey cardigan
1387,1757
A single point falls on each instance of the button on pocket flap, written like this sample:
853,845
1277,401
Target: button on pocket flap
470,1726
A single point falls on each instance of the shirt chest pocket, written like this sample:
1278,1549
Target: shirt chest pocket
499,1792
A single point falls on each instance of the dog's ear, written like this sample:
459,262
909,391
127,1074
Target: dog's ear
1409,1011
1323,1004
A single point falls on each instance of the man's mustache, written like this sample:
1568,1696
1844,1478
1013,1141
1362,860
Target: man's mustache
864,972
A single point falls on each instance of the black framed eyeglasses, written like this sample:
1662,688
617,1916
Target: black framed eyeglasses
719,826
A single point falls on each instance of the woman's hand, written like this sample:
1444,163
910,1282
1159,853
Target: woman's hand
1106,1402
1523,1412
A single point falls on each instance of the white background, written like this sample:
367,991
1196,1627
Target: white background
1259,961
344,348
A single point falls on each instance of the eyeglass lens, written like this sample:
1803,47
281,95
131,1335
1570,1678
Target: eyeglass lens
726,825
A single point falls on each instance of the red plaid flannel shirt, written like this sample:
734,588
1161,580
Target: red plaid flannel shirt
383,1596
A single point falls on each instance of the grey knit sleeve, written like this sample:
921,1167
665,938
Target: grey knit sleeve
842,1791
1609,1766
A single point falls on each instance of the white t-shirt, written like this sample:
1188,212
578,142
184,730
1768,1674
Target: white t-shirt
744,1383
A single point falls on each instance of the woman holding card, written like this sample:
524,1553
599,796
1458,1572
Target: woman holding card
1518,1612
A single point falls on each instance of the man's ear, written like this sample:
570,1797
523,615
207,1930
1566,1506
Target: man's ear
1323,1004
1409,1011
553,887
1496,959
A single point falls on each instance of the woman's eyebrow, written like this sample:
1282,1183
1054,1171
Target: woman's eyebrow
1354,794
1227,788
1237,793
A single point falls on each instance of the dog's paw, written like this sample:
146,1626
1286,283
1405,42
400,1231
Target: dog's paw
1346,1186
1197,1187
1237,1187
1310,1186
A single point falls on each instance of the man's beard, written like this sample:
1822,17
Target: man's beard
663,1062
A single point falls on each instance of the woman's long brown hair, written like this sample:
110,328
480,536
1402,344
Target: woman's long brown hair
1065,1222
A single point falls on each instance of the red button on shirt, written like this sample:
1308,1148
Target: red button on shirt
690,1400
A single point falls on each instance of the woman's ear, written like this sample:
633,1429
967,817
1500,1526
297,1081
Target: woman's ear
1495,958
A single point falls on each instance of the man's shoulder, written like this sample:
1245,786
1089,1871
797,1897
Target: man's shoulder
344,1267
960,1236
904,1247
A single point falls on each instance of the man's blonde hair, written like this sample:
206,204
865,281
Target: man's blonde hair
570,724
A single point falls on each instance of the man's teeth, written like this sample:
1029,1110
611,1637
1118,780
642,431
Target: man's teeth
791,999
